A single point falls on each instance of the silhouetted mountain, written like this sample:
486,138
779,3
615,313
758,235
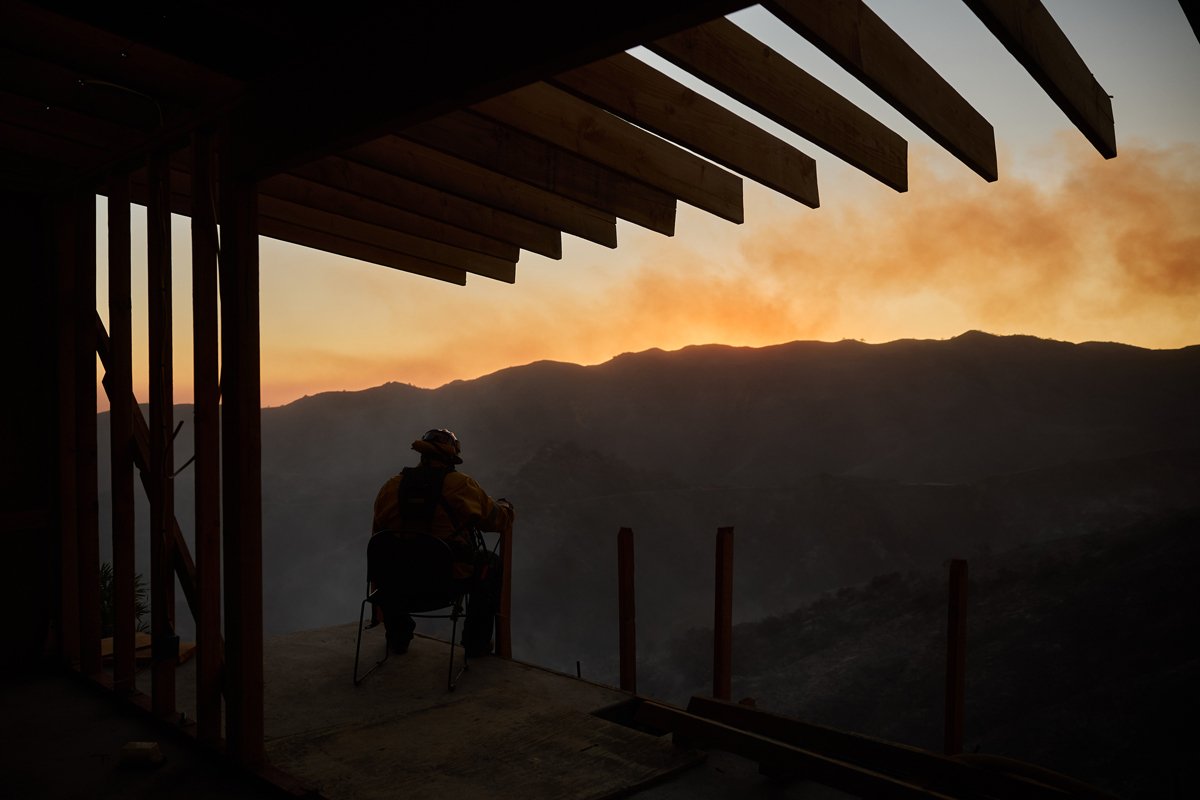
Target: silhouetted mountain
834,463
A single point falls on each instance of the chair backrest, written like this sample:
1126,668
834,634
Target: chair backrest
412,571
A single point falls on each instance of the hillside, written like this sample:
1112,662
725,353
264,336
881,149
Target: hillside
1081,657
834,463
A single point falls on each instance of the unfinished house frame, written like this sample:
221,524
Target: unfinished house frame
421,137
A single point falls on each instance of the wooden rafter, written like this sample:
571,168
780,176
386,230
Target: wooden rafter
377,185
646,97
456,176
566,121
418,251
1033,37
526,158
733,61
856,38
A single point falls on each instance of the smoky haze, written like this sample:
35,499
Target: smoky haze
834,462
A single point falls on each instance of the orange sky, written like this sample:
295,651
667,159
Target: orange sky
1066,245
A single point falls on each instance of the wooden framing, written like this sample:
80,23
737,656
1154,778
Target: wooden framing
455,176
403,244
205,344
637,92
87,504
1028,31
66,235
566,121
723,616
856,38
733,61
119,385
526,158
165,645
626,610
377,185
308,193
956,658
241,426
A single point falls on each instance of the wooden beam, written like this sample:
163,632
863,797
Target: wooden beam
119,386
956,658
180,558
207,396
347,93
898,761
637,92
87,499
402,244
568,122
450,174
857,780
165,644
626,611
345,204
241,424
722,54
65,232
374,184
723,616
1028,31
856,38
349,248
526,158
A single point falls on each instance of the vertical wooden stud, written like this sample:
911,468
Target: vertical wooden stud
66,231
87,499
207,439
723,617
626,612
956,657
120,404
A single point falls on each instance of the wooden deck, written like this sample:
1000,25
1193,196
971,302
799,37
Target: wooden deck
509,730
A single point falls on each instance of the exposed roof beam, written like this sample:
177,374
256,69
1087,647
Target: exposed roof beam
1028,31
856,38
377,185
338,245
733,61
316,195
529,159
347,92
641,94
566,121
402,244
462,178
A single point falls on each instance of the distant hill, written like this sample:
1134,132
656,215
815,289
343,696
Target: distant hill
1081,657
833,461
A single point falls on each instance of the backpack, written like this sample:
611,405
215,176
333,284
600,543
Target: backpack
419,496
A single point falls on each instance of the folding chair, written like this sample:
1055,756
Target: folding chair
412,573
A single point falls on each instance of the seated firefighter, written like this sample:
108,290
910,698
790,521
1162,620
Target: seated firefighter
433,497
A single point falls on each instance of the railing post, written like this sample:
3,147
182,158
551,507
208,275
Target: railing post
504,614
723,617
956,657
626,610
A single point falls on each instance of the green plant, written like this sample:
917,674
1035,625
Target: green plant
140,606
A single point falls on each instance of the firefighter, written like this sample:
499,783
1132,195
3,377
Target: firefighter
433,497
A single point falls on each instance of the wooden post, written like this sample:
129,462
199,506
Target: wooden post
626,613
956,657
66,230
164,644
504,615
119,381
207,434
723,617
87,502
241,425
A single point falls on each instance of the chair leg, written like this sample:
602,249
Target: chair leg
451,677
358,646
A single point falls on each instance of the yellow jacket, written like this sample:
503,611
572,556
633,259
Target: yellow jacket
470,505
